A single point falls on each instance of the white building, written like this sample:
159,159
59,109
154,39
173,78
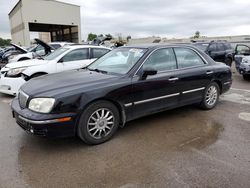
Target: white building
61,20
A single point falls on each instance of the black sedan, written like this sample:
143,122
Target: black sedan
126,83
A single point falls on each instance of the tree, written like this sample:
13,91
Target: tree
197,34
91,36
4,42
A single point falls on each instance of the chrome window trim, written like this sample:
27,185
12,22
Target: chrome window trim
193,90
204,60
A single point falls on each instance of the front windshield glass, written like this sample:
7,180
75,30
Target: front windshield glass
118,61
56,54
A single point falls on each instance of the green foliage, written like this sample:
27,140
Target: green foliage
197,35
91,36
4,42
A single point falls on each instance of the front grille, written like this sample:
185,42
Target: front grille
23,99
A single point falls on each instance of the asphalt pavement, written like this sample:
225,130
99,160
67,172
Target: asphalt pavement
185,147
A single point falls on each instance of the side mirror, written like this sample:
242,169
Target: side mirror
148,72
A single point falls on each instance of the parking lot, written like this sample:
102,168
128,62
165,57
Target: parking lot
185,147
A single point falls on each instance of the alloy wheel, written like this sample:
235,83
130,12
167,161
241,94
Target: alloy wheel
211,95
100,123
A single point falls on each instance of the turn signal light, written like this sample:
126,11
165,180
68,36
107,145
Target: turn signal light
64,119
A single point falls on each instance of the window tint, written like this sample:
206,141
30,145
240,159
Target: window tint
75,55
220,47
161,60
212,47
187,58
99,52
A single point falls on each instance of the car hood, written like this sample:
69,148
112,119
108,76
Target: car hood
59,83
26,63
19,48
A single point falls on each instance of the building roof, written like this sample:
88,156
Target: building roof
47,0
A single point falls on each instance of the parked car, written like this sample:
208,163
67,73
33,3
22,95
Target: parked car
242,60
220,51
93,102
57,45
14,75
40,50
5,50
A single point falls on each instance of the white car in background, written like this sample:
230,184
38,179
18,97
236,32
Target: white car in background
40,50
14,75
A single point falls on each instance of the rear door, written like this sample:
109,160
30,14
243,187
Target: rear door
195,74
75,59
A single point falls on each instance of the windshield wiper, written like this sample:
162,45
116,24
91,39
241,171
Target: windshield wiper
98,70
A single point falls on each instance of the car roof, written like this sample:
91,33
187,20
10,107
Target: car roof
77,46
155,46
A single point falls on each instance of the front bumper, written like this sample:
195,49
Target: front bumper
10,86
44,125
244,68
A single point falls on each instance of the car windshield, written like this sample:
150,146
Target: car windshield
56,53
118,61
201,46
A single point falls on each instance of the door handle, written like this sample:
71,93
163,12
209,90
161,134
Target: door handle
209,72
173,79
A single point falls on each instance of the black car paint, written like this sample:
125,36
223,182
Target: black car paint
221,53
75,90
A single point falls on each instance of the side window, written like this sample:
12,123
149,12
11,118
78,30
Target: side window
242,50
161,60
76,55
98,52
40,50
187,58
212,47
220,47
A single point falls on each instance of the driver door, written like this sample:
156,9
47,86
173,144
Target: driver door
159,91
74,59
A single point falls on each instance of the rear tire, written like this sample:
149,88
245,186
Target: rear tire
210,96
98,123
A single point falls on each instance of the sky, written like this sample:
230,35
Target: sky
164,18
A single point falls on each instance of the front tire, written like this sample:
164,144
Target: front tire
98,123
210,96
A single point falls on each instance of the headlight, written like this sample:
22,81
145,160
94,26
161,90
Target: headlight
11,57
42,105
15,72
